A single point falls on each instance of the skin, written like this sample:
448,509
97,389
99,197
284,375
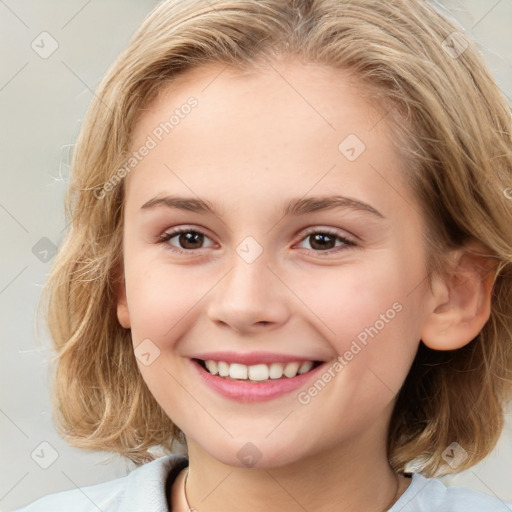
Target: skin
253,141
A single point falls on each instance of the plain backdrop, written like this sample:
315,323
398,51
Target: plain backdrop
45,89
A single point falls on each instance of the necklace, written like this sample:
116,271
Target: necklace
192,509
189,508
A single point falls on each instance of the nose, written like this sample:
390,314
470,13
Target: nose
250,297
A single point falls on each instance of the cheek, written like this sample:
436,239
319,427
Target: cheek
159,296
369,317
349,298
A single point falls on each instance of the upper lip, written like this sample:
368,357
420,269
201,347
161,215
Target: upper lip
251,358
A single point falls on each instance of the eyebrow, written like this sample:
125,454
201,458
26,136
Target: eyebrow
294,206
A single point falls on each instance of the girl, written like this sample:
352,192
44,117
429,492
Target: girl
290,250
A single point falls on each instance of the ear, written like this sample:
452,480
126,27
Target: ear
460,304
123,314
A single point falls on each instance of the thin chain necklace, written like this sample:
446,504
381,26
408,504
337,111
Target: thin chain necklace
189,508
192,509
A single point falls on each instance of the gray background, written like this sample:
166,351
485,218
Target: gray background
42,102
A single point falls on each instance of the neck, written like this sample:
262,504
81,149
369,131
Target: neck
350,477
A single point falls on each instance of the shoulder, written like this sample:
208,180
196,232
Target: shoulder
143,488
430,494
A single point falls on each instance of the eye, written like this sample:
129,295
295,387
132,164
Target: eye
321,240
324,240
188,239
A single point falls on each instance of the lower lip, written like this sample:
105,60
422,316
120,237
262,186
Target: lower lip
244,391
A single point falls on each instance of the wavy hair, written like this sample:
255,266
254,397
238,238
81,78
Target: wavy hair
452,127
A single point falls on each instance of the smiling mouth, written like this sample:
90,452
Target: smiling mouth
258,372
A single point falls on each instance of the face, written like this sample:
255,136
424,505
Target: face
342,286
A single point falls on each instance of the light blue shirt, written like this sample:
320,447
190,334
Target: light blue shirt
145,489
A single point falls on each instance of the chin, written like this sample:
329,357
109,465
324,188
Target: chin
259,454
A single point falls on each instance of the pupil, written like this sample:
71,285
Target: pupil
317,239
190,237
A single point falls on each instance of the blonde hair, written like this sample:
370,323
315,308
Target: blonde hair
450,123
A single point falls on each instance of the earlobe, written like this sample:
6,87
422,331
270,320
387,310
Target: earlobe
123,314
460,303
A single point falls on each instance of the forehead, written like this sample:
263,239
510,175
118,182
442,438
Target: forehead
284,127
328,99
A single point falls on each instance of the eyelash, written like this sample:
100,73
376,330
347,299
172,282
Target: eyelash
325,231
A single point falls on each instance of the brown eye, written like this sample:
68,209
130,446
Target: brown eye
190,240
187,240
324,241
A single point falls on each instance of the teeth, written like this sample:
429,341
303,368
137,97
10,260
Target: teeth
223,368
305,367
238,371
257,372
212,367
290,370
276,371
